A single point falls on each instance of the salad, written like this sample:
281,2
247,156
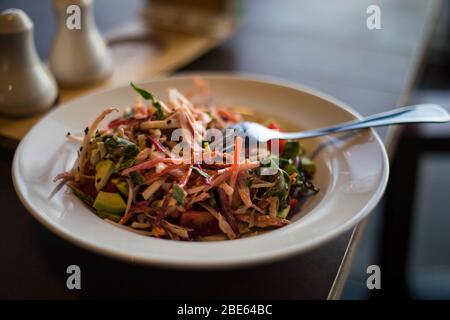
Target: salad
135,175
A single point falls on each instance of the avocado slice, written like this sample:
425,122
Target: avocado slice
104,169
309,166
110,216
110,202
122,186
284,213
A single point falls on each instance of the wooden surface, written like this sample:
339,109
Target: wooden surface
322,44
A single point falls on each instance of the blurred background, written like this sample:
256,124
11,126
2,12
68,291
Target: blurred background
408,234
427,255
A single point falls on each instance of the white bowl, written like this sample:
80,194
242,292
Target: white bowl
351,173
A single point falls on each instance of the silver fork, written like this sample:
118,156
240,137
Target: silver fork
420,113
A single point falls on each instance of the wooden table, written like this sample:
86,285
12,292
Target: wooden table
322,44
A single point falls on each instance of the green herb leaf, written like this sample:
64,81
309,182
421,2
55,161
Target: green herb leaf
290,169
158,114
309,166
144,93
210,115
201,172
120,145
212,199
291,150
205,144
281,187
107,215
283,162
137,178
178,194
126,163
283,213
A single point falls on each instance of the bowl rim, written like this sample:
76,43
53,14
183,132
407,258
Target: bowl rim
260,258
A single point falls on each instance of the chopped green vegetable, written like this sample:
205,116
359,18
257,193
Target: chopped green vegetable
122,186
144,93
201,172
212,199
281,187
178,194
158,114
107,215
103,170
126,162
205,144
282,161
290,169
137,178
309,166
121,146
284,212
148,96
291,150
110,202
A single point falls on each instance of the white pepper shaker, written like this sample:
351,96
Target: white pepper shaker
26,87
79,55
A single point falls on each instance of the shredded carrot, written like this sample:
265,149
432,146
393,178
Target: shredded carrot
149,164
185,178
235,166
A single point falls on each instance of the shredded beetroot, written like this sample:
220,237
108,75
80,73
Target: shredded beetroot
156,143
144,203
292,204
88,188
117,122
226,210
110,187
207,229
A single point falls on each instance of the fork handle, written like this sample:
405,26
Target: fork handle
420,113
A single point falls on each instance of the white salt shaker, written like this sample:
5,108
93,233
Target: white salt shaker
79,55
26,87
